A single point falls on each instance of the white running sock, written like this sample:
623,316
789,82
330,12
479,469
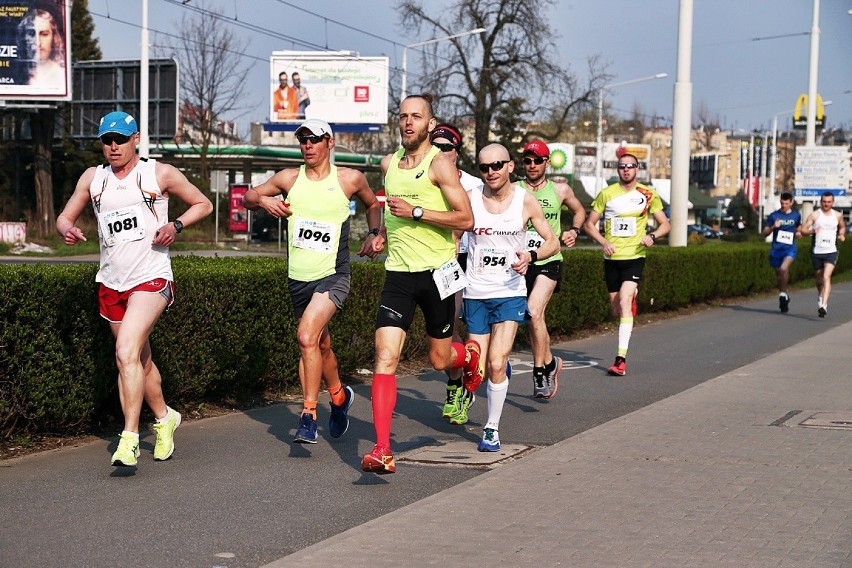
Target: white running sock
496,399
134,435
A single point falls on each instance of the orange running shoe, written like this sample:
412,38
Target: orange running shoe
474,369
619,368
380,461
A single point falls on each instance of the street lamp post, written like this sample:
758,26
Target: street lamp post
599,160
404,92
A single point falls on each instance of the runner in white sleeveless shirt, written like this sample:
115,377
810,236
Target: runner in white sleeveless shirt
827,227
495,299
130,198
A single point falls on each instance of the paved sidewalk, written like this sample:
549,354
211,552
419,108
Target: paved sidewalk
719,475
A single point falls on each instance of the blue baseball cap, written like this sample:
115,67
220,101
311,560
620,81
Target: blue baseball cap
118,122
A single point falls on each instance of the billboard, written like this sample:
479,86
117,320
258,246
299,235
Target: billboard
336,86
585,160
237,214
820,169
35,50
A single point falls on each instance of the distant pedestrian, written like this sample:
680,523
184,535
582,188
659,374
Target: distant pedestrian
130,196
785,226
827,227
625,207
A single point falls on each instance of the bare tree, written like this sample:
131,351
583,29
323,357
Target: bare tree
507,79
706,126
213,80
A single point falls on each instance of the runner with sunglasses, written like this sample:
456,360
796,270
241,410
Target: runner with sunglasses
625,207
425,204
495,297
316,206
544,276
130,196
448,139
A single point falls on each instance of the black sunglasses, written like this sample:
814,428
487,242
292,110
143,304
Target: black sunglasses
536,161
494,166
108,139
444,147
627,166
312,138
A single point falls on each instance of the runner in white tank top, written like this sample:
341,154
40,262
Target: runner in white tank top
495,299
130,197
827,227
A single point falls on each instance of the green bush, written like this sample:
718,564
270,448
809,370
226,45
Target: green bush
230,336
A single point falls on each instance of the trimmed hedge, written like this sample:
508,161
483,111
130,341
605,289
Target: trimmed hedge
230,335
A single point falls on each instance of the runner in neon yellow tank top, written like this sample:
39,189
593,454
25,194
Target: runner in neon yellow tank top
316,206
544,277
625,207
425,203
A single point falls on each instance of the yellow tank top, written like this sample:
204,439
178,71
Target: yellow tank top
415,246
318,229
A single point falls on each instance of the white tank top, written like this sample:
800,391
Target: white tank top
129,213
493,244
825,233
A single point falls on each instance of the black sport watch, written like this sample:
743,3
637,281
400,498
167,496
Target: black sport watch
375,232
178,225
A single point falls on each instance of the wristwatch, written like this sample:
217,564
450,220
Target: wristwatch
178,225
417,213
375,232
576,230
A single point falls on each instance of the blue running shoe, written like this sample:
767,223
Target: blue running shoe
508,370
306,433
490,441
338,422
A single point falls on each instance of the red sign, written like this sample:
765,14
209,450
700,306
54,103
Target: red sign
237,214
362,94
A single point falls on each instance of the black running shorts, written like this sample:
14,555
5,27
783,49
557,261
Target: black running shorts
403,291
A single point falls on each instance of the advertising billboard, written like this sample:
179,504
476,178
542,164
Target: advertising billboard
35,50
585,160
237,214
338,87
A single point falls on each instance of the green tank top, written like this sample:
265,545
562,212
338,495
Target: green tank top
318,229
552,207
415,246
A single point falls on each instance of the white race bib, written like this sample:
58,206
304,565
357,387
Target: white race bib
826,239
122,225
449,278
784,237
533,240
623,226
493,260
314,235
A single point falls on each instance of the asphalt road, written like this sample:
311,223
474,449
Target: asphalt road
238,492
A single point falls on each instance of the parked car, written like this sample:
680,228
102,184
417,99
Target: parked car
705,231
264,227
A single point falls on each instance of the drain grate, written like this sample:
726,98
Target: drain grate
462,453
829,420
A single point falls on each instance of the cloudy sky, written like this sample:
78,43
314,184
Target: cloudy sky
750,57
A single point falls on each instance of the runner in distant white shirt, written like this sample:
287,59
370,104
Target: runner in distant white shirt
827,227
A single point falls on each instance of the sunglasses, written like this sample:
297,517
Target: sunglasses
108,139
536,161
312,138
627,166
444,147
494,166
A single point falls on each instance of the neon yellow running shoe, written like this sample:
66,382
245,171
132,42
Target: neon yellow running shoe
165,432
452,403
465,401
127,452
